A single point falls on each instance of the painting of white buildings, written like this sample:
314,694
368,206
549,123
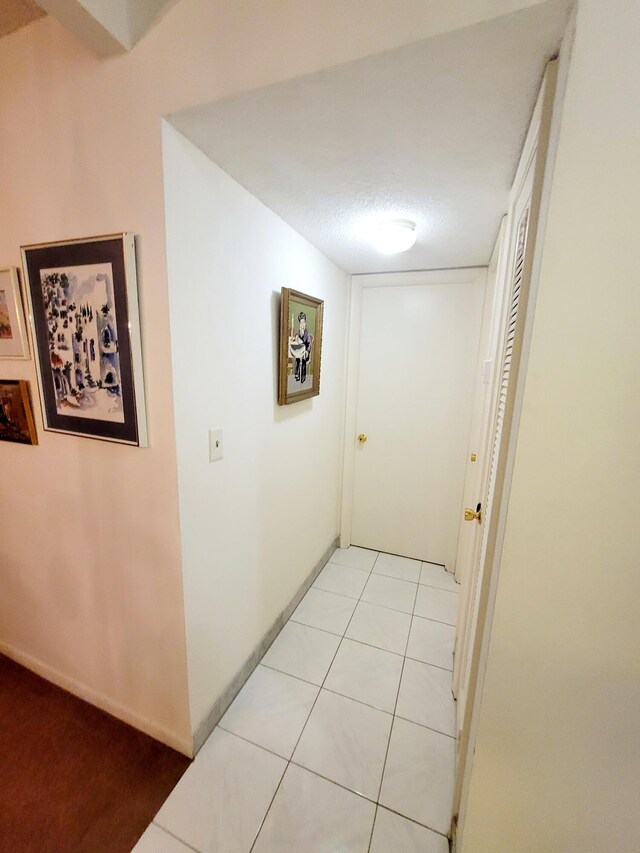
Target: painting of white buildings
83,341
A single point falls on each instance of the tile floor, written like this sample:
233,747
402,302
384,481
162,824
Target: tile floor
343,737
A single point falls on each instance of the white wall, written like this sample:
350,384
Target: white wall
556,764
255,523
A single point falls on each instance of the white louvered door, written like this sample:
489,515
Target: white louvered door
503,374
508,307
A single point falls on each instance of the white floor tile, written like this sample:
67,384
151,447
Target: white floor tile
438,604
395,834
431,642
425,697
311,815
223,797
379,626
342,580
403,568
156,840
390,592
366,674
434,575
271,710
325,610
419,774
346,742
355,558
302,651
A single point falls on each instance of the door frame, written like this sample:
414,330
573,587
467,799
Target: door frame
360,282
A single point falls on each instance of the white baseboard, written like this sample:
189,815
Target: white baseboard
98,699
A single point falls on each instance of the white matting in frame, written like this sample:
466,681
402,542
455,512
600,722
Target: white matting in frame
14,341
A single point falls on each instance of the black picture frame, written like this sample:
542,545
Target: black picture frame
83,301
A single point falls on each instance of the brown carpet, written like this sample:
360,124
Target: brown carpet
72,778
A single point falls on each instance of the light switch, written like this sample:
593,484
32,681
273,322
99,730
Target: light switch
215,445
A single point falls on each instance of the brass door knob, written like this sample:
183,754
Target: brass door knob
470,515
362,438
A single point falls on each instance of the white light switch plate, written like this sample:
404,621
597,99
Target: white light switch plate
216,447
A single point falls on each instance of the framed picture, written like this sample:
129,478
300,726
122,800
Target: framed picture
14,342
300,346
83,299
16,415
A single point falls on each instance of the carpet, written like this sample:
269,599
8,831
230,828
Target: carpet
74,779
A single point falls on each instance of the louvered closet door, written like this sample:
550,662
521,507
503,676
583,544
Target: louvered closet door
512,318
505,373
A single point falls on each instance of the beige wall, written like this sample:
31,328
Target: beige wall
556,768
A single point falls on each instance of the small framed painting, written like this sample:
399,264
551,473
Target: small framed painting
14,342
16,415
300,346
83,299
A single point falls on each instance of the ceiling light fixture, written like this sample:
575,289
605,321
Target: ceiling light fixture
392,238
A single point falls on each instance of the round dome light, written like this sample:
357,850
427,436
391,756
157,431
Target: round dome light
392,238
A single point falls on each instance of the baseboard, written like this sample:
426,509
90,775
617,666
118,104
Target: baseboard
217,710
93,697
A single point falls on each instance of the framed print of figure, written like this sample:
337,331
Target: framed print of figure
300,346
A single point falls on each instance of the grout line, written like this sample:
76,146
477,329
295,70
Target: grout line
345,566
359,701
404,659
333,633
441,588
431,619
298,677
413,820
333,782
373,826
423,726
343,594
177,838
308,717
254,743
428,663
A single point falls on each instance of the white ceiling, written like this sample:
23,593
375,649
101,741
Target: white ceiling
17,13
431,132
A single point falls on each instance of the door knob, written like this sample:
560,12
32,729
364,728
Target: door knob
470,515
362,438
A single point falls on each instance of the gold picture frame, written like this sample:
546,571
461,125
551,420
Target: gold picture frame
301,319
16,415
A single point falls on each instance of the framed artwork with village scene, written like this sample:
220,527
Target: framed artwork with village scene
300,346
14,342
83,299
16,415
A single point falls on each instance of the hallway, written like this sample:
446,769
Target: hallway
353,698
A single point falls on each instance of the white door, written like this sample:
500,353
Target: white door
417,355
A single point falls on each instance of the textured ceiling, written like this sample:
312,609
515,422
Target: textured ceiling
17,13
431,132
